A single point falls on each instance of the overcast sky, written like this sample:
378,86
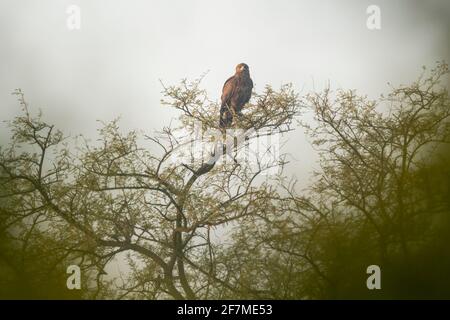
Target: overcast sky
111,66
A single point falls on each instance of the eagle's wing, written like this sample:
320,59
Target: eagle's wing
228,90
248,91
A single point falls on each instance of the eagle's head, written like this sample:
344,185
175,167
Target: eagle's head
242,68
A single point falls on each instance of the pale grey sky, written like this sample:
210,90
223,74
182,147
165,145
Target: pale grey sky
111,66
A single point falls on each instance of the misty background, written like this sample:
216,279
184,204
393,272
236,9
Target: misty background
113,65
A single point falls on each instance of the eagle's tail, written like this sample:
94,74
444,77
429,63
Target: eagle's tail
226,116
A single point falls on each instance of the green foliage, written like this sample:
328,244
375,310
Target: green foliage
208,228
381,198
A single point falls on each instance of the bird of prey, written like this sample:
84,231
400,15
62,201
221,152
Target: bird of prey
236,92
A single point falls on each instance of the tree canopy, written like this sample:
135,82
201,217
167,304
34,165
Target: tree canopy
214,224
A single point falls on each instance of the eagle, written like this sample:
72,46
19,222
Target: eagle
236,92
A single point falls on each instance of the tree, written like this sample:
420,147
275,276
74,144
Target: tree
380,198
371,158
195,217
118,196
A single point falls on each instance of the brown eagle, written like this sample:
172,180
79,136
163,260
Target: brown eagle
236,92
